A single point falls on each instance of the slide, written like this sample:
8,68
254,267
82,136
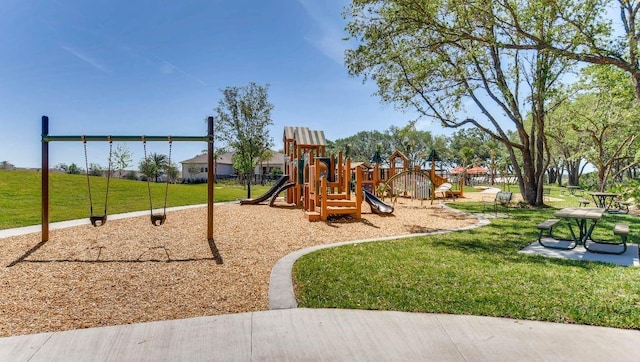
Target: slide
275,194
281,181
377,206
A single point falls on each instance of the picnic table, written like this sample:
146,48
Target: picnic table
585,219
575,190
604,200
581,216
572,190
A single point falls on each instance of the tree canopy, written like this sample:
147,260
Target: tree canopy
448,60
241,119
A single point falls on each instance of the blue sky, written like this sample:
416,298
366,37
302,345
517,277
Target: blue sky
157,68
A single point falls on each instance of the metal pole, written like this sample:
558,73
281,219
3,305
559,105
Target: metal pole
45,179
112,138
210,178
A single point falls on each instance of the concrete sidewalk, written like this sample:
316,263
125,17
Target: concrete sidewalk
330,335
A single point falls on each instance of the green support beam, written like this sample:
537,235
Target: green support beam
47,138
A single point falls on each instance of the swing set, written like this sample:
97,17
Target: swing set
101,218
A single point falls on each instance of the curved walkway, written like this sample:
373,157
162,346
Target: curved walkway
328,334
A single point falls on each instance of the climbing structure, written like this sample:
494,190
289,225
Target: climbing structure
322,183
326,195
299,144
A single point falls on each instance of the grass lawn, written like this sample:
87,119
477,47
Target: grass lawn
69,198
476,272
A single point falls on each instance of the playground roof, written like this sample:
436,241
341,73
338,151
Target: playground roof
360,164
304,136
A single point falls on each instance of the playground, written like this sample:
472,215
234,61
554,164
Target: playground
130,271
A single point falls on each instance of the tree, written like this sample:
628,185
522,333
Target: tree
584,34
71,169
604,115
96,170
154,165
5,165
466,154
241,120
363,145
478,141
440,65
413,143
122,158
567,146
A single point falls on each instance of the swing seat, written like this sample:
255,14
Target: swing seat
98,220
158,219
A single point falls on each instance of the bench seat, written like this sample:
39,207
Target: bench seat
550,241
619,229
583,202
548,224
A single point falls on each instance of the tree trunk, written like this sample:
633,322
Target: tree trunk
573,172
248,178
552,173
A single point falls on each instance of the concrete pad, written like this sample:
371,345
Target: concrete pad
629,258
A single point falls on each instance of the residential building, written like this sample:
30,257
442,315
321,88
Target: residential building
196,169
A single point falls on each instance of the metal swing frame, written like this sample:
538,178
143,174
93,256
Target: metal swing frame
46,139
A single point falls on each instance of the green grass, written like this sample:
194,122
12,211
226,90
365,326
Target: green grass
69,199
476,272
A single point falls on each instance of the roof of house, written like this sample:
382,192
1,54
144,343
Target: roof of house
227,159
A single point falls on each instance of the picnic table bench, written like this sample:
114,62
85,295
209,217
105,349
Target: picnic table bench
621,230
586,220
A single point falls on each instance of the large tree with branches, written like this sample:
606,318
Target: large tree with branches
242,118
448,61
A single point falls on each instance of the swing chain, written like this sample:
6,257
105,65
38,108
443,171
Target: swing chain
168,171
86,164
159,219
98,220
106,197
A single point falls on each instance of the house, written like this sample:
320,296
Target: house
196,169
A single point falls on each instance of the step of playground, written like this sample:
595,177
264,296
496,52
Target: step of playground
341,203
335,210
313,215
338,196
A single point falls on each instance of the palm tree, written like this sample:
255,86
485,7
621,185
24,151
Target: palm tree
154,165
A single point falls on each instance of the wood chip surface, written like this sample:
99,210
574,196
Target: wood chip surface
129,271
